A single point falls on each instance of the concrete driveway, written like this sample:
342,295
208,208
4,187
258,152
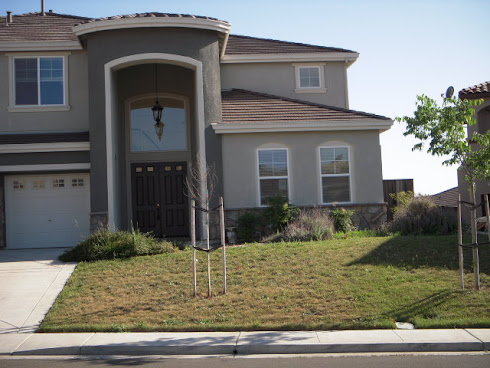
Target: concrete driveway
30,279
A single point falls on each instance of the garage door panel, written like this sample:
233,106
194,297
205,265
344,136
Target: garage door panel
47,210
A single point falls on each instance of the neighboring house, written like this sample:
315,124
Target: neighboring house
79,147
447,201
482,115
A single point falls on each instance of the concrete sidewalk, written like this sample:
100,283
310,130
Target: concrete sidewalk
232,343
31,281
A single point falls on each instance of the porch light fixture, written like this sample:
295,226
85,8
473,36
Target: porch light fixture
157,110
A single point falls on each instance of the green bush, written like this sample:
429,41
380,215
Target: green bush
342,219
309,225
107,244
421,216
279,212
247,226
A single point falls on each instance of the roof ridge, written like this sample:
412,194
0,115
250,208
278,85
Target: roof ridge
291,42
335,108
50,14
445,191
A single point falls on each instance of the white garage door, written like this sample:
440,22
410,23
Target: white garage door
46,210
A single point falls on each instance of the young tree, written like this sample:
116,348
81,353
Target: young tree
444,129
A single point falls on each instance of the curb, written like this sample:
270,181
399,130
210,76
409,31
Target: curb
245,343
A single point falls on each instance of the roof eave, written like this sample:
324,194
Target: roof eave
380,125
348,57
40,46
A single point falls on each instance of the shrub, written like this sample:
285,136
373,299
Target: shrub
309,225
402,199
279,212
247,226
107,244
342,219
422,216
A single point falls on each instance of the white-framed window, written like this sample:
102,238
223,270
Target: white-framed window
77,182
38,83
58,183
335,174
273,174
310,78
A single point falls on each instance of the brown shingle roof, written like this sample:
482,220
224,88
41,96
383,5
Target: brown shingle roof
478,91
448,198
242,106
240,45
34,27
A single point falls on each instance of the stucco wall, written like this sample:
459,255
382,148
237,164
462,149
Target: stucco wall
279,79
76,119
104,47
241,172
481,186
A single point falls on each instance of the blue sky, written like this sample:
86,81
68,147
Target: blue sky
406,48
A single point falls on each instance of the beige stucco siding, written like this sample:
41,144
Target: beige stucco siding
279,79
75,119
241,188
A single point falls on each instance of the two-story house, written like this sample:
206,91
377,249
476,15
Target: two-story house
80,146
482,116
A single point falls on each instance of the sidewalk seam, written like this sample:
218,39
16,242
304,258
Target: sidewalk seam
235,351
482,342
21,343
84,342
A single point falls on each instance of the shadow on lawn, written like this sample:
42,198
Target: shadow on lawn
411,252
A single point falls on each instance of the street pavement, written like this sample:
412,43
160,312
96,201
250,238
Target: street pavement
439,360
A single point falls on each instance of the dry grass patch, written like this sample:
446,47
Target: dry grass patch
348,283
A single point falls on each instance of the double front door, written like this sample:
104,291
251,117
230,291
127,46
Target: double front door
159,202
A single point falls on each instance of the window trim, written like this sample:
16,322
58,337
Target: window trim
321,68
321,175
38,107
259,178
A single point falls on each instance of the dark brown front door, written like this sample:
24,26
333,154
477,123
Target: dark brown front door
159,203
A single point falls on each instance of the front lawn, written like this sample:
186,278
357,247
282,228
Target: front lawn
353,283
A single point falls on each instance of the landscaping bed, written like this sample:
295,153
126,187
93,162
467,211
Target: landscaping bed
353,283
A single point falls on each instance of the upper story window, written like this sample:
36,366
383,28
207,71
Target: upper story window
38,83
273,174
335,174
310,78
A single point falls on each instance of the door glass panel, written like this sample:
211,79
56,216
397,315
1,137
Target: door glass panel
143,134
150,168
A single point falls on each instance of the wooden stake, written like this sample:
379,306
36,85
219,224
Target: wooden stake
474,238
487,211
460,245
223,240
193,242
207,247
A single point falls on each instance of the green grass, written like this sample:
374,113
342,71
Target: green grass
352,283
